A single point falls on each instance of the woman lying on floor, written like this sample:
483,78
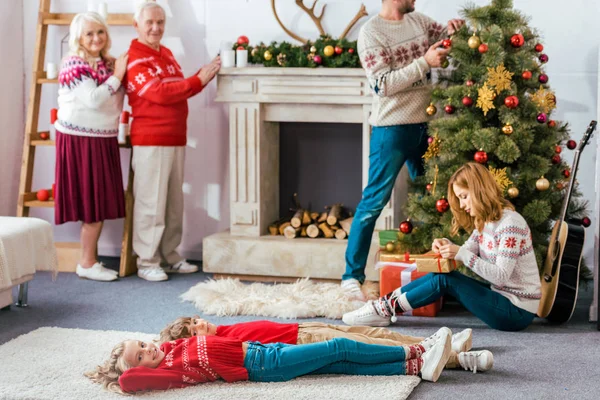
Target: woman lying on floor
136,366
499,250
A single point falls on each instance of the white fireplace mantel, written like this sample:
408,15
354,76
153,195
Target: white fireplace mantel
259,99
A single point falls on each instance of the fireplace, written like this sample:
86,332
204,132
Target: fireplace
267,108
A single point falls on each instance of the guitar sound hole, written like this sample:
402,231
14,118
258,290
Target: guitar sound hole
547,278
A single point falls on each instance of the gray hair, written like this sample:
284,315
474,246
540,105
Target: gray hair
146,5
76,30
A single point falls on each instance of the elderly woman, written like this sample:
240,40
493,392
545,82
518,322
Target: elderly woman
88,177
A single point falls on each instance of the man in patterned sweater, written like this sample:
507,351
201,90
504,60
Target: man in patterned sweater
397,49
158,94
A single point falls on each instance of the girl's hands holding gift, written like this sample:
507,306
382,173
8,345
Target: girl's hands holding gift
437,244
449,250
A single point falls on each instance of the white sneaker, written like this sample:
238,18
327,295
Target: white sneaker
352,287
152,273
427,343
435,359
365,316
182,267
96,272
462,341
482,360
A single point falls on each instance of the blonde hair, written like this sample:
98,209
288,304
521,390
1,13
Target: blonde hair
487,200
75,32
108,374
146,5
178,329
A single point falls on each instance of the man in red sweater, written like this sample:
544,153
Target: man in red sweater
158,94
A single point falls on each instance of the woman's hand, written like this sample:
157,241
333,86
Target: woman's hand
437,243
208,72
449,251
121,66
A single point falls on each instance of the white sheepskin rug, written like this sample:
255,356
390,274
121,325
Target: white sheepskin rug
48,364
303,299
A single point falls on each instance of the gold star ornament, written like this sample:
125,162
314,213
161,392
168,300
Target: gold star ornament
500,78
485,98
544,99
501,178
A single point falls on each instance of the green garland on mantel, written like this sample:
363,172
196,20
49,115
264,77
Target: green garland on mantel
285,54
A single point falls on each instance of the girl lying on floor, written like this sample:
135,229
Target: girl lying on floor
314,332
136,366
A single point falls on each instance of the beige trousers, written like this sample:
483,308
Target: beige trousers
158,203
312,332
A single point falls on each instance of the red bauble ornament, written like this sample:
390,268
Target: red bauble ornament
542,118
351,50
483,48
571,144
243,40
517,40
543,78
447,43
481,157
543,58
467,101
429,140
317,59
338,50
44,136
511,102
526,75
555,159
469,83
566,173
428,187
585,221
42,195
551,123
539,47
406,227
241,48
449,109
442,205
558,149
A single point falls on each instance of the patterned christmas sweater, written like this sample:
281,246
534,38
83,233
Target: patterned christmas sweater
158,94
189,362
89,101
503,255
391,52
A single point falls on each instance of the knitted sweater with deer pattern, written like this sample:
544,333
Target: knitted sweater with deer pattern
392,54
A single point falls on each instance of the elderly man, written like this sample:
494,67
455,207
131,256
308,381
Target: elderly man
158,94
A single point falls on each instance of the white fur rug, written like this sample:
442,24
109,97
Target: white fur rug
302,299
48,364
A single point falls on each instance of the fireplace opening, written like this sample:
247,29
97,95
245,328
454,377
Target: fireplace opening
322,163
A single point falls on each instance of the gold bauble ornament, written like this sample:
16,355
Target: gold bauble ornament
431,110
474,41
507,129
542,184
328,51
254,52
268,55
313,49
513,192
390,246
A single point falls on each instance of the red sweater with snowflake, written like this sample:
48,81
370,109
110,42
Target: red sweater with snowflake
261,331
188,362
158,94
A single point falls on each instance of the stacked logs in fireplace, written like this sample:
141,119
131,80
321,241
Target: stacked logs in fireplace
333,223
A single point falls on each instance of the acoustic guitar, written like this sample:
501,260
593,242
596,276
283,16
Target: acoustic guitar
560,278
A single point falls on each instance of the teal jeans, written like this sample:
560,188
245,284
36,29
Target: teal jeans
391,148
279,362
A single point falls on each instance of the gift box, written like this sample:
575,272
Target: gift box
428,262
393,275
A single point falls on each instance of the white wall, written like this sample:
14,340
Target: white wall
196,29
12,103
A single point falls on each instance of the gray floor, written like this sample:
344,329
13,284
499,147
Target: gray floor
543,362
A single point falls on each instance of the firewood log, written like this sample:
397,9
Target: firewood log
314,216
322,217
346,224
340,234
327,232
303,231
296,220
335,214
283,226
313,231
306,219
290,232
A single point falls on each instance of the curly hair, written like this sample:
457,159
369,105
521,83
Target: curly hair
75,32
108,374
178,329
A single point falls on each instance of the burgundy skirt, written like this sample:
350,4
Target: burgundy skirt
88,179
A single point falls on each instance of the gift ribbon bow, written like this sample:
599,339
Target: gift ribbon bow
437,257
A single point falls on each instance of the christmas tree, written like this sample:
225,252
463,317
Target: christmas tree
498,111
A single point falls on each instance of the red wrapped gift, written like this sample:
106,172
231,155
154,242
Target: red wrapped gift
393,275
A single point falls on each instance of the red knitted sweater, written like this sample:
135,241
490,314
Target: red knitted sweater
189,362
261,331
158,94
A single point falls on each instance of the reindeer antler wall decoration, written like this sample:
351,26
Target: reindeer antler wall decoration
317,19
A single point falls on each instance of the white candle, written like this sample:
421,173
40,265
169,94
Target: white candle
51,71
227,58
241,59
103,9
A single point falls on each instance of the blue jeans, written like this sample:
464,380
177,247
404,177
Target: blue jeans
391,147
279,362
477,297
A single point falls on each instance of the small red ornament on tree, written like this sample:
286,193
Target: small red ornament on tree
447,43
243,40
511,102
406,227
351,50
483,48
566,173
526,75
469,83
557,149
555,159
571,144
42,195
542,118
442,205
543,78
551,123
543,58
481,157
241,48
539,47
317,59
430,140
467,101
586,222
449,109
517,40
429,186
338,50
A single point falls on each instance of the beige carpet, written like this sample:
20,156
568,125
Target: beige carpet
48,364
302,299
